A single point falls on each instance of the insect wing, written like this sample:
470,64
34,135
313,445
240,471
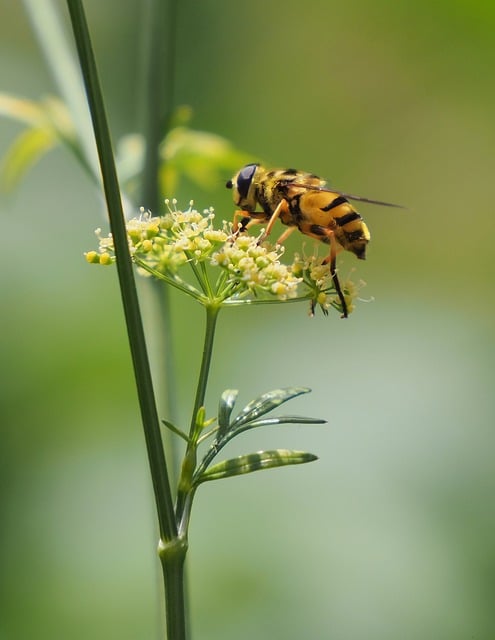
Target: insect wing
315,187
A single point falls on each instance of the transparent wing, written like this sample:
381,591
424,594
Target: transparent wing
350,196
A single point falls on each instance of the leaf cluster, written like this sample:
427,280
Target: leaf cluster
224,429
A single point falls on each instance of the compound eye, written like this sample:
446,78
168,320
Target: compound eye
244,179
229,184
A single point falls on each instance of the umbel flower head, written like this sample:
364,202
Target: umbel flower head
218,266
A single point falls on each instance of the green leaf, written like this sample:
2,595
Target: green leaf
255,462
31,144
201,156
265,403
225,407
50,113
205,159
23,153
26,111
282,420
267,422
175,430
49,124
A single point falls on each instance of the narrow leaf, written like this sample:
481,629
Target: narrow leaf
280,420
225,406
266,403
20,109
175,430
255,462
268,422
23,153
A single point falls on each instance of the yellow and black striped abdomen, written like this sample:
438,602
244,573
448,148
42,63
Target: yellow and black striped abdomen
320,214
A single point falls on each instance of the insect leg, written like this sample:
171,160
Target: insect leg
281,207
332,260
285,235
241,222
335,278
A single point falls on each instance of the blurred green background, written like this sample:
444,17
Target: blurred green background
391,534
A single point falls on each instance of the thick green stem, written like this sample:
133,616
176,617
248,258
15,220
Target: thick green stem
163,497
172,556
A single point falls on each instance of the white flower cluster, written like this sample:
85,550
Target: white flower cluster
162,245
166,243
257,267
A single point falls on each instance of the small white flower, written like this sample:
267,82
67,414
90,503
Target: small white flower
163,245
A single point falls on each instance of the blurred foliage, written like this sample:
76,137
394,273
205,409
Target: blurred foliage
200,156
390,535
48,123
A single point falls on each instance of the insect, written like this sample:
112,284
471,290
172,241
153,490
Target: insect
301,201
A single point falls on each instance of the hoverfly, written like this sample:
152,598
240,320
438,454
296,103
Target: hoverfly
301,201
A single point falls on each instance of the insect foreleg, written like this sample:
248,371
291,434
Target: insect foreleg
241,222
280,208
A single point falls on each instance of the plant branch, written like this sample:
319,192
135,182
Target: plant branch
211,323
185,491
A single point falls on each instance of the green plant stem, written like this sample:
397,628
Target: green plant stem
172,549
185,492
172,557
168,530
212,310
